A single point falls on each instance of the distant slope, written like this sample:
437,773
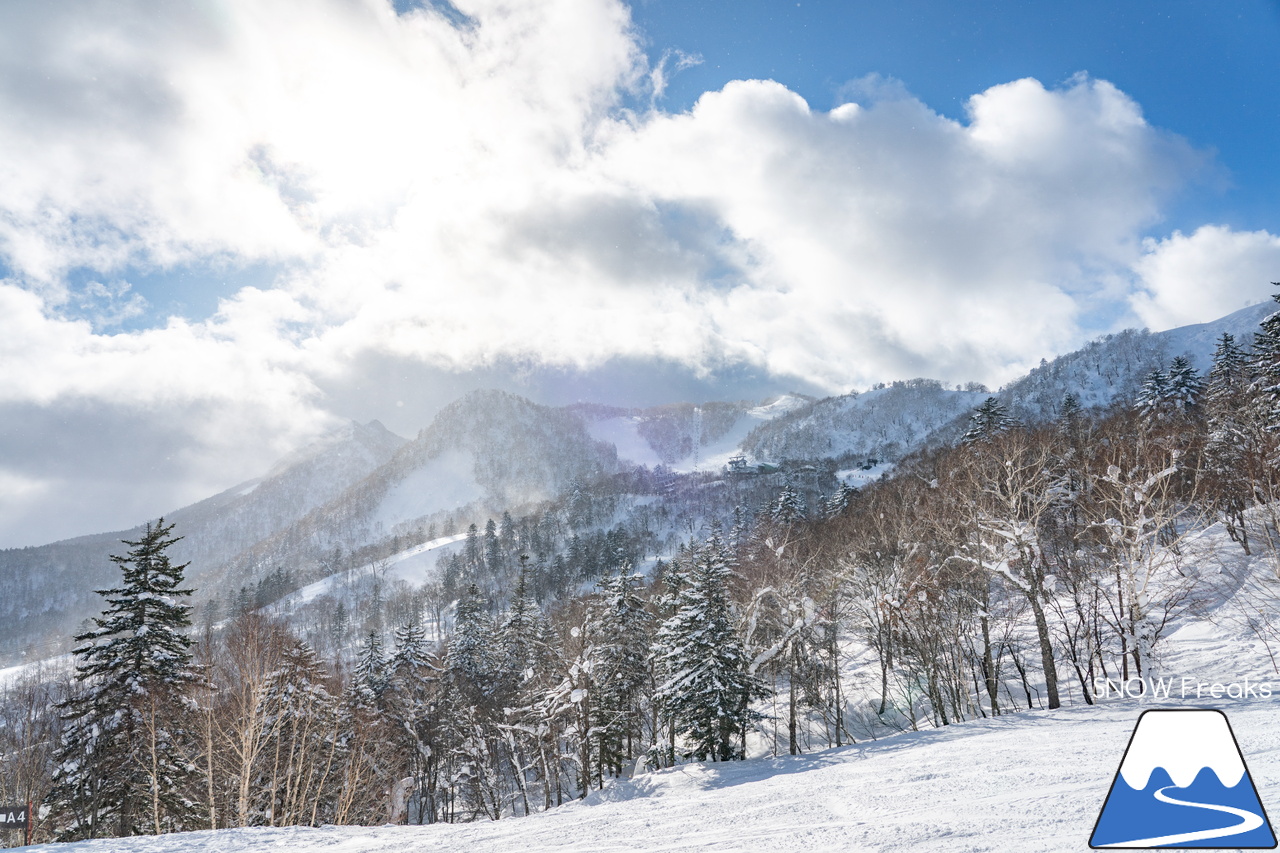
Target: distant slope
887,423
883,423
50,588
683,436
484,453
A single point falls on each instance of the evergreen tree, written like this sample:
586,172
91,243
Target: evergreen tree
472,550
118,766
520,632
492,549
370,673
300,722
1265,369
1071,412
788,507
1231,440
706,691
620,665
1185,386
411,654
472,660
1153,395
839,502
987,421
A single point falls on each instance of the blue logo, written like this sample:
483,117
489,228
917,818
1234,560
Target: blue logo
1183,783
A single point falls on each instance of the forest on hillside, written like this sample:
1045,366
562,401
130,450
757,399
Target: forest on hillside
1009,571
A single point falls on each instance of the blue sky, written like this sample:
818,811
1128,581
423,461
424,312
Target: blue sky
1205,70
228,227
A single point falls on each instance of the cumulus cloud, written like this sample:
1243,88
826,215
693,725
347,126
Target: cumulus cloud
460,192
1191,278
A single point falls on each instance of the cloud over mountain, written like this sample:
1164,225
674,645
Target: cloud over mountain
486,183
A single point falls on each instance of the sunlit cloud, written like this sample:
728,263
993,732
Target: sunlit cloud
455,192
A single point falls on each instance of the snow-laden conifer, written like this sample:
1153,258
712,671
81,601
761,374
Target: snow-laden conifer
473,659
706,690
120,769
369,676
620,652
1264,363
1231,438
1185,385
1154,397
987,421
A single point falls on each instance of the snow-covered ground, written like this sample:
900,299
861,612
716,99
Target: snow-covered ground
1026,782
623,432
412,565
1029,781
858,477
445,483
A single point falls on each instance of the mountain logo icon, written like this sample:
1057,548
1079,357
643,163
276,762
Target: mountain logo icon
1183,783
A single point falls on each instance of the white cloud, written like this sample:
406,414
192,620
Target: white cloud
1197,277
460,196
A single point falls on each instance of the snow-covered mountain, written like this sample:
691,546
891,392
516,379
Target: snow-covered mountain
887,422
882,423
50,588
1112,368
493,451
487,452
683,436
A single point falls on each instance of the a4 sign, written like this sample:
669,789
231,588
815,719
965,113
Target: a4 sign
13,817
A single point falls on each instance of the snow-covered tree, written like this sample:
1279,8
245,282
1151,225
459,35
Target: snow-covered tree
302,749
120,767
1154,401
1231,439
787,507
620,651
706,690
1185,385
1265,367
369,676
473,660
987,421
520,636
412,653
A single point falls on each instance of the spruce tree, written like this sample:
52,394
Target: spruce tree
1264,363
1185,386
411,654
987,421
370,673
1231,440
620,665
788,507
1154,398
119,770
707,690
519,636
473,661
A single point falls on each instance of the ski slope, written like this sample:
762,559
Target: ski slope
1026,782
412,565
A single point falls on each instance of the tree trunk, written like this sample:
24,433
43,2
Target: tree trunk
1046,648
